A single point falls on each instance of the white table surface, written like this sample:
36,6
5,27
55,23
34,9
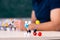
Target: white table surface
14,35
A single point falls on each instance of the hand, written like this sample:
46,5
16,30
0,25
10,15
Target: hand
32,26
20,25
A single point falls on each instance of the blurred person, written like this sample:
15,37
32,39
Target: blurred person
48,13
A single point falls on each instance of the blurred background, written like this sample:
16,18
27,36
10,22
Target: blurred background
15,8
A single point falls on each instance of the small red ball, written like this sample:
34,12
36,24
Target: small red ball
34,33
39,34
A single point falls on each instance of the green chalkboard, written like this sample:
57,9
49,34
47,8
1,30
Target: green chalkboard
15,8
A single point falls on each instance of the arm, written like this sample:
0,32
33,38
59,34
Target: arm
53,25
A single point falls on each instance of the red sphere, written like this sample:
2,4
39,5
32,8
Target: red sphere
39,34
34,33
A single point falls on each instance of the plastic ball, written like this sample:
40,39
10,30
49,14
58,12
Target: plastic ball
34,33
37,22
26,25
39,34
29,31
29,22
35,30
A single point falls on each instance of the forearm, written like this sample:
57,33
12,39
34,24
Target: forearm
48,26
53,25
